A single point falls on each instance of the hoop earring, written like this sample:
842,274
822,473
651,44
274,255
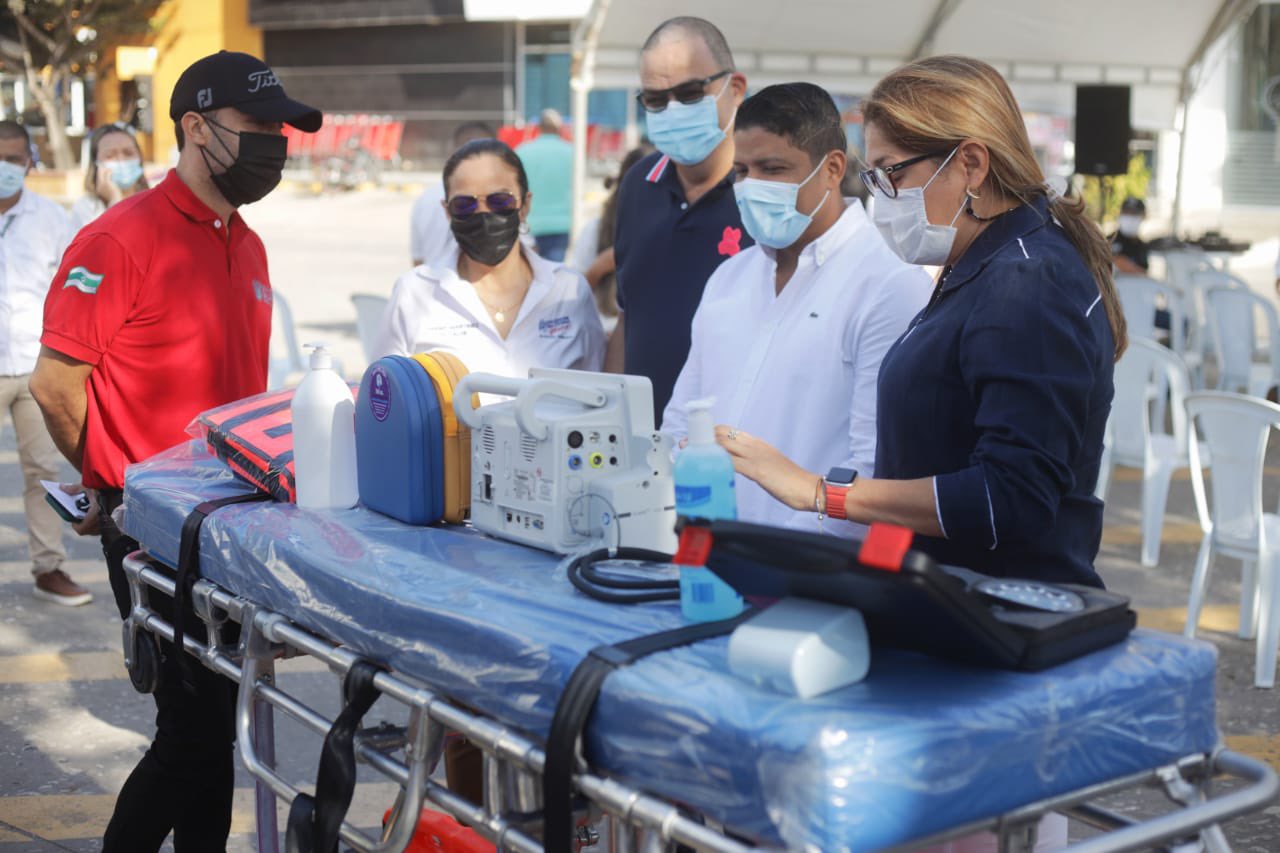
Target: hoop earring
971,194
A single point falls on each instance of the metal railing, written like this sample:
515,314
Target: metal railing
510,815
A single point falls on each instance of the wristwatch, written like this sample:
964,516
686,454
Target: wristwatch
837,484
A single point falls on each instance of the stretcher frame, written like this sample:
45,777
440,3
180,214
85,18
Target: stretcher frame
634,821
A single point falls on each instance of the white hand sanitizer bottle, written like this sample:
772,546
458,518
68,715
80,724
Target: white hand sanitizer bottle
324,437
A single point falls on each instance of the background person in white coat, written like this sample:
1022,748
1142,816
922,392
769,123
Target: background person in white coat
789,334
34,232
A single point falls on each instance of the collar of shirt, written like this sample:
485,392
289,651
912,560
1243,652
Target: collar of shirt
851,221
444,272
180,195
1017,223
25,204
664,173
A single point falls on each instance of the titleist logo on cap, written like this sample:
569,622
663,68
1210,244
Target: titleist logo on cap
262,80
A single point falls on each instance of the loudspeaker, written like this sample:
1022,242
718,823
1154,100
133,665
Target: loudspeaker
1102,130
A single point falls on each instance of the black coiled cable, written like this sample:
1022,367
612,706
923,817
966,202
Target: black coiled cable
615,590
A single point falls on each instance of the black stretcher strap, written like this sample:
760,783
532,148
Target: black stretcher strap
189,568
314,821
575,705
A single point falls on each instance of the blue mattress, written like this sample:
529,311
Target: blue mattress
918,747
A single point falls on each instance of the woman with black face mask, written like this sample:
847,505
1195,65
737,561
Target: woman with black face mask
494,303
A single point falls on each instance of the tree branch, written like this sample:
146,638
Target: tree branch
27,26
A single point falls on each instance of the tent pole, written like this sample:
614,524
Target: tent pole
581,82
579,89
1184,107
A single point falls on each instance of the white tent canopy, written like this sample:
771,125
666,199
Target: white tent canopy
1045,48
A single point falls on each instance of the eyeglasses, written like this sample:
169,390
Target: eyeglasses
880,178
463,206
688,92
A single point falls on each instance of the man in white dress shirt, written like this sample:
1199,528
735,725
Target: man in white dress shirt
33,234
789,334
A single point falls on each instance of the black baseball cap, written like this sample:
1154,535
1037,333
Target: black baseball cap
230,79
1133,205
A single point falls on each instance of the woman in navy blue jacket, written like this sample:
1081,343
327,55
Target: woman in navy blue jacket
992,405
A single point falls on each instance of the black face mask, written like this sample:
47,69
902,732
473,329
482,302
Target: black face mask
487,238
254,172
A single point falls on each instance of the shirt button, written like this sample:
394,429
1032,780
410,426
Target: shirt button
684,205
217,223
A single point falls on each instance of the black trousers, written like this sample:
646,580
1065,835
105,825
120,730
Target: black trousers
183,783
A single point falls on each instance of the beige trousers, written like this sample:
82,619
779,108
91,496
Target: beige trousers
40,460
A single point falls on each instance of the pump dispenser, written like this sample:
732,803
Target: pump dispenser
324,437
704,479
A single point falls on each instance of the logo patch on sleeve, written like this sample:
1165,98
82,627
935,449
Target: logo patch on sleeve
82,280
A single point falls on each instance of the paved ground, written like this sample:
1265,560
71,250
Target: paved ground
71,727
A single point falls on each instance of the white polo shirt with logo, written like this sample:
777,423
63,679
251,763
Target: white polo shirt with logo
433,308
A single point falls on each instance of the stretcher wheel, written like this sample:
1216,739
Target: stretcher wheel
144,662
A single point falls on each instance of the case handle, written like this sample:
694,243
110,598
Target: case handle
528,392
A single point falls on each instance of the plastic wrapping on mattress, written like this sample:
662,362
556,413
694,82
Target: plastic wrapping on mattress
918,747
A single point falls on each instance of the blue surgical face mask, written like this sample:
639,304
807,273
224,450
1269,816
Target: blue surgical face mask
768,210
11,178
688,133
124,173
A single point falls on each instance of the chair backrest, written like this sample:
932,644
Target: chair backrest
1233,315
285,356
1146,365
1234,429
369,311
1180,264
1140,296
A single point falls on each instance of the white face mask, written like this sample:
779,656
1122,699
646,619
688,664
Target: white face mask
904,223
1129,224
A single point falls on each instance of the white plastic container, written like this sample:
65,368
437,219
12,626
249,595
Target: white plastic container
802,647
324,437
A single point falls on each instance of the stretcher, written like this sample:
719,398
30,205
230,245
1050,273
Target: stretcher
479,636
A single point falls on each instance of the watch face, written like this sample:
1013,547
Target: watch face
841,476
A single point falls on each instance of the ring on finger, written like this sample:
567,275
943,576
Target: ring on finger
733,433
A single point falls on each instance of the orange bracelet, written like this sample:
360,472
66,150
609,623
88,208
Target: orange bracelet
834,500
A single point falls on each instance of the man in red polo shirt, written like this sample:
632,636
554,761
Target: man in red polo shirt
162,309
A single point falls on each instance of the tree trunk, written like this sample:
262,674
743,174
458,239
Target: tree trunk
54,108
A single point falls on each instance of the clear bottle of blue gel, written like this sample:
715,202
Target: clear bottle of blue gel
704,489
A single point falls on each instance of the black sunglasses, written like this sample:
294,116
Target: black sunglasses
880,177
688,92
463,206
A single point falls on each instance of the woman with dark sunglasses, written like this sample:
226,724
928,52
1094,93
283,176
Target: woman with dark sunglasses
991,407
491,301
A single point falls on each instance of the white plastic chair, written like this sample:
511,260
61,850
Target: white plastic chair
1140,298
1234,429
285,358
1233,313
1105,465
1181,264
1199,281
1133,441
369,310
1181,267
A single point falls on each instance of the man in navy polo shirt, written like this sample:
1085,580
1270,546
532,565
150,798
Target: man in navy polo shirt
677,218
